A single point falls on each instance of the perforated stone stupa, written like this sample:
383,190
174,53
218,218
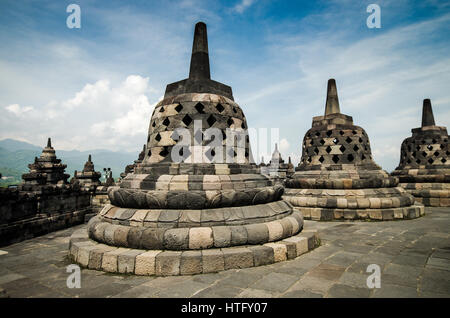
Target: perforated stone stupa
424,169
337,177
176,217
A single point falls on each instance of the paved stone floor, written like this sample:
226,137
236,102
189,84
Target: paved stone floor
414,257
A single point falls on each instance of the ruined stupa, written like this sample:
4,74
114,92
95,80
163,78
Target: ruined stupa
47,169
185,210
424,169
337,177
88,177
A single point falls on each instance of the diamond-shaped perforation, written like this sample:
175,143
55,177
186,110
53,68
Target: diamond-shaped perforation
329,132
166,122
322,142
328,149
158,137
230,122
321,159
154,123
342,148
335,141
348,140
220,108
199,107
316,150
335,159
187,120
350,157
211,120
179,108
355,148
430,147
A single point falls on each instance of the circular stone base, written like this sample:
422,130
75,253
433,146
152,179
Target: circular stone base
97,256
324,214
429,194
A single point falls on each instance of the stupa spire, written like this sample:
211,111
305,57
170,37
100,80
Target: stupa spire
200,59
89,158
427,113
49,142
332,102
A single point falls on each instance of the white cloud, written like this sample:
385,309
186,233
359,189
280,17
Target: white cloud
17,110
243,5
101,115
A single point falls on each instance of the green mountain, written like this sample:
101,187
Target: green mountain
16,155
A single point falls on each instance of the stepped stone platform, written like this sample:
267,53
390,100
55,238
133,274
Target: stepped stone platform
98,256
337,179
424,169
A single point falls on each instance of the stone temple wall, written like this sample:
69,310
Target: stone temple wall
26,214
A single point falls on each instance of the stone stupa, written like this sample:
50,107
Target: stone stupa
46,170
337,178
88,177
424,168
176,214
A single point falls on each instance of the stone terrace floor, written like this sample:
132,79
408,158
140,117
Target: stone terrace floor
414,257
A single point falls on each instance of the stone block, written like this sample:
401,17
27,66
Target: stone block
237,257
152,239
109,260
121,236
238,235
145,263
221,236
262,255
191,263
275,230
212,261
200,238
126,261
176,239
258,233
168,263
279,251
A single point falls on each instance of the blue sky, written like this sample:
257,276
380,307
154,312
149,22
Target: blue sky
96,87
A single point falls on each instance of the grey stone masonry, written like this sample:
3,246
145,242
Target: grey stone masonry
337,178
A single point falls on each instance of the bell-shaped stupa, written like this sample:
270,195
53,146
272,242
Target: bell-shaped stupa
337,177
196,203
424,169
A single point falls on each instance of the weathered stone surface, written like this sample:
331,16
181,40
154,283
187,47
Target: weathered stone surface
191,263
168,263
212,260
200,238
145,263
237,257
